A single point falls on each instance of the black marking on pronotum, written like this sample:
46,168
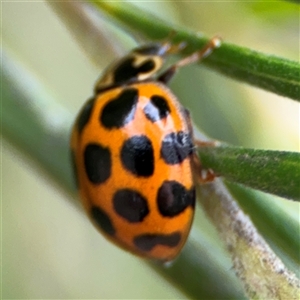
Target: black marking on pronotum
97,163
173,198
157,108
137,156
120,110
176,147
130,205
146,242
127,72
102,220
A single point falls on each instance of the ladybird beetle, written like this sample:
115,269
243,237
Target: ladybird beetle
133,154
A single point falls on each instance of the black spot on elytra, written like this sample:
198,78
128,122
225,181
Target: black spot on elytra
176,147
120,110
85,114
102,220
146,242
130,205
173,198
126,71
137,156
97,163
157,108
74,168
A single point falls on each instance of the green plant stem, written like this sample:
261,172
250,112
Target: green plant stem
275,172
275,225
197,269
34,123
294,1
263,274
274,74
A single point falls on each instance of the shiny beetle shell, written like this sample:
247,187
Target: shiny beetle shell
132,149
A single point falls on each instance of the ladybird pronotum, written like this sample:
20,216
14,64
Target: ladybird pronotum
133,154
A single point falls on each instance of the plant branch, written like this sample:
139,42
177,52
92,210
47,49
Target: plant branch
272,73
275,172
263,274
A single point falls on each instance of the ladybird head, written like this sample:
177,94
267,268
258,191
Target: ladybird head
140,64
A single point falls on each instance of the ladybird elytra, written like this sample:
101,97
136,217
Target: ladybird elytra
133,151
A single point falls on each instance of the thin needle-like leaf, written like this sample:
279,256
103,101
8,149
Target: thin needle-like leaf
275,172
88,30
272,73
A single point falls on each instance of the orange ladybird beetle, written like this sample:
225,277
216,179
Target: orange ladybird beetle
134,156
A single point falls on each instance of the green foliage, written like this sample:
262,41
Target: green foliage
275,172
269,72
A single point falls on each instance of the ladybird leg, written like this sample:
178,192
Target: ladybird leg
197,56
189,123
206,143
202,175
172,48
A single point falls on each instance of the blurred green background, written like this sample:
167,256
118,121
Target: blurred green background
49,248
